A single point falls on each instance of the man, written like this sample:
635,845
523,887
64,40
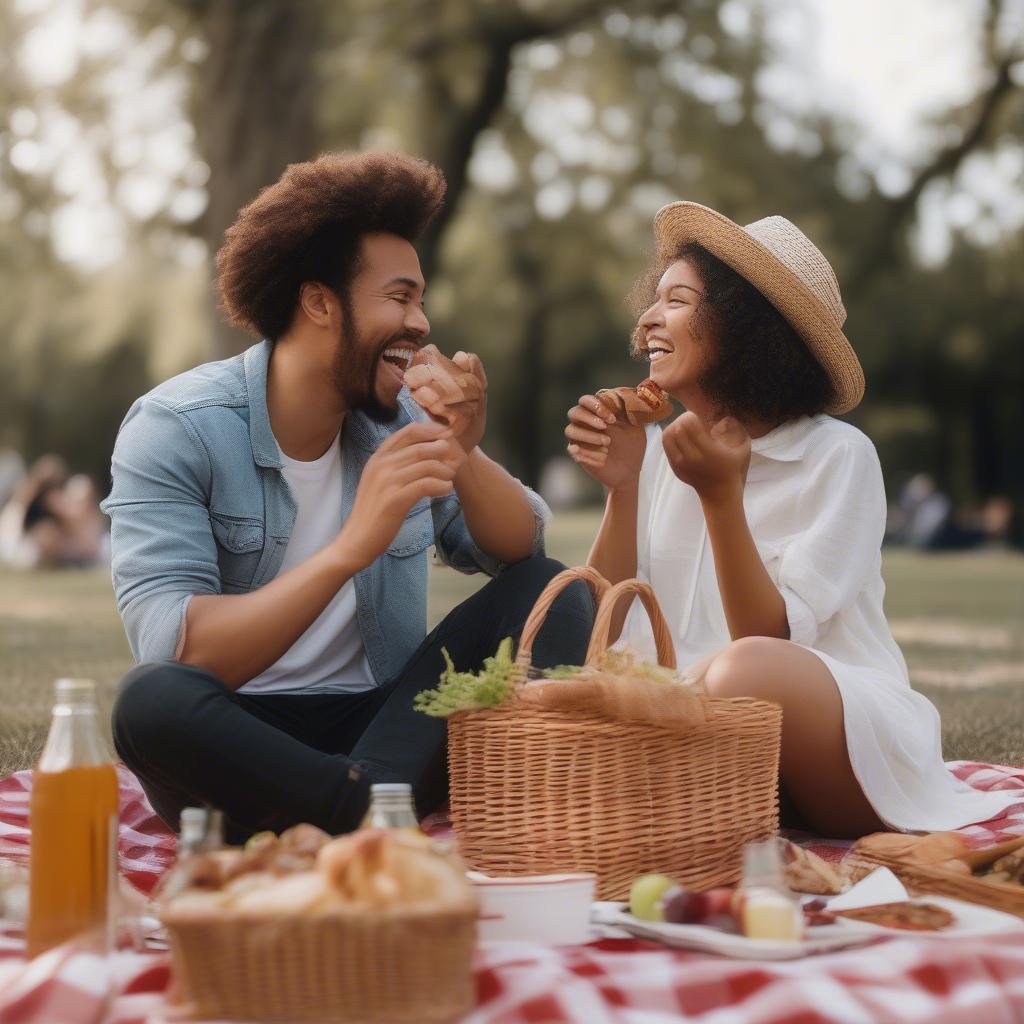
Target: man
271,515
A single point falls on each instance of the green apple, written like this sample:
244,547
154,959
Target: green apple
645,897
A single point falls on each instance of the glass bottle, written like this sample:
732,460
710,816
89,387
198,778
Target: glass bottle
391,807
194,823
73,816
769,910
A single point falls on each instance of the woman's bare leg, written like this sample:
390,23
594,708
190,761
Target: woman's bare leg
815,764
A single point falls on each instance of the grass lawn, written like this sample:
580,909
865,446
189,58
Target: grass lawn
958,618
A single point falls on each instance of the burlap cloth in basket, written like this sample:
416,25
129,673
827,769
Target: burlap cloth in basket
615,684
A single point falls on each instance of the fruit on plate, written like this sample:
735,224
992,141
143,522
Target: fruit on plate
645,897
713,908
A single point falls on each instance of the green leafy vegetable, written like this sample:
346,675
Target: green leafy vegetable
469,691
562,672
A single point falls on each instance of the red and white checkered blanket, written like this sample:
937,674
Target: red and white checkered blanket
938,980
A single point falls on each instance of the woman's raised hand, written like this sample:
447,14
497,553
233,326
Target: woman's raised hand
609,449
713,462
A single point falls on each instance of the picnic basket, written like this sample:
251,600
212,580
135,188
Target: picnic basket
539,791
400,966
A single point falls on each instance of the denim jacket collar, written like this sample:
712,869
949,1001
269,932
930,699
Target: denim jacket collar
265,451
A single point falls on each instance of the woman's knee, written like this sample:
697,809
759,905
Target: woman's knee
748,667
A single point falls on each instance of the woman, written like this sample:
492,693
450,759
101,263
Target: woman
758,520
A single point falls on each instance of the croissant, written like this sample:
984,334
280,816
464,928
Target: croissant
805,871
646,403
438,385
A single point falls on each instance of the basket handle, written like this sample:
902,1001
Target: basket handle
598,585
603,621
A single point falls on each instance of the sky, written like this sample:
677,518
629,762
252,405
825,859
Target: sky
890,66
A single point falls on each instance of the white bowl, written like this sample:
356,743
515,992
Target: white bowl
550,909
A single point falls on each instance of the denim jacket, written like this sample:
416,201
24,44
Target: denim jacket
199,505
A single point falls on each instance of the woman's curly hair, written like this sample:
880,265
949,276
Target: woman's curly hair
308,226
758,363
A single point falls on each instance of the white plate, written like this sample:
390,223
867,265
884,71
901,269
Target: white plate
970,921
821,939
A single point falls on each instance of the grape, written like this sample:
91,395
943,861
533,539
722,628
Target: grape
682,907
645,897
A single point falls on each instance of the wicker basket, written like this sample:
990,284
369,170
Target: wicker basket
397,966
942,881
543,791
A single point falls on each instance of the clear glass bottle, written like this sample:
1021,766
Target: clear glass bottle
194,824
73,816
769,910
391,807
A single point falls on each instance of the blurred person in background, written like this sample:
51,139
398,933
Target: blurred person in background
12,472
53,520
926,520
922,515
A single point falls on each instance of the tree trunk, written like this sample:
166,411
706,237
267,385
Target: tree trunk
255,111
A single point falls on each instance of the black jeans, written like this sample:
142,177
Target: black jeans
269,761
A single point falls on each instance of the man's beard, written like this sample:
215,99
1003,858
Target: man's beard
355,372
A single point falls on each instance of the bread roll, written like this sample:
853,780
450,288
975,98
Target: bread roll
442,387
646,403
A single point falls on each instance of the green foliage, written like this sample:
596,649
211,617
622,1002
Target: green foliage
563,672
470,691
614,108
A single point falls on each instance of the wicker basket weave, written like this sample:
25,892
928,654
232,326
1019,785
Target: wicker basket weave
537,791
937,880
396,966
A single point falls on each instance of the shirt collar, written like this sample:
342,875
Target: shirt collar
788,442
265,451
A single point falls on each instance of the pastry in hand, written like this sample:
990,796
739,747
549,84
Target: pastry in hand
646,403
442,387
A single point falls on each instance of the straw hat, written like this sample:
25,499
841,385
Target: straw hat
785,266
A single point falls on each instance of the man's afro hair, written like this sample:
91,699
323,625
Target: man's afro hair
308,226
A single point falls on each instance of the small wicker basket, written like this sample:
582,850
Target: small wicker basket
537,791
400,966
939,880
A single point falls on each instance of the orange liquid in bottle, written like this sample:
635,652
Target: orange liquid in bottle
69,881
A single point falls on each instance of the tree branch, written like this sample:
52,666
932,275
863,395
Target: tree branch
500,37
881,250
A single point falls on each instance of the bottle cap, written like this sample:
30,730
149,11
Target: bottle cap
391,789
194,818
74,690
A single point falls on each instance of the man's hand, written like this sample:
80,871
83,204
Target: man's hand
472,419
713,462
418,461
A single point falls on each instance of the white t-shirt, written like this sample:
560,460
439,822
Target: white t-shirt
329,657
815,504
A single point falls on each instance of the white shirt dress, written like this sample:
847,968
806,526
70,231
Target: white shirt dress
815,503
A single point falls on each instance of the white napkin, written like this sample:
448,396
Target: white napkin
881,886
